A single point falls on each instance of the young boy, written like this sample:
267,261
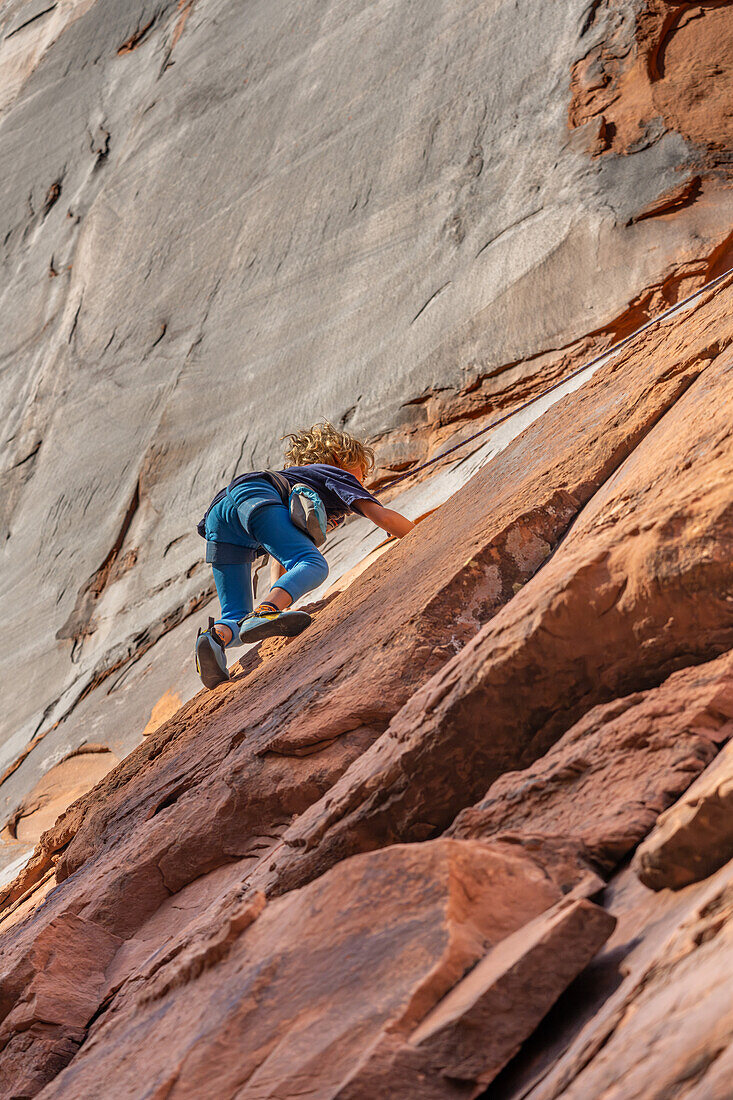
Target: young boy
250,518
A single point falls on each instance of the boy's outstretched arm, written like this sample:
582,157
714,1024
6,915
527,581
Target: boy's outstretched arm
390,521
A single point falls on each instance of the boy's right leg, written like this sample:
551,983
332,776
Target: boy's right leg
305,569
234,589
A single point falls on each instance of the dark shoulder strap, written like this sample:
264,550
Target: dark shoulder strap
281,484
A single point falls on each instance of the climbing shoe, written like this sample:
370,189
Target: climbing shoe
211,662
267,622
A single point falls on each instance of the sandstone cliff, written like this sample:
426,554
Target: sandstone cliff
418,851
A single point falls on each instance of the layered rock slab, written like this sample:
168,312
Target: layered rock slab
652,1015
473,1032
607,780
693,838
314,984
65,972
643,585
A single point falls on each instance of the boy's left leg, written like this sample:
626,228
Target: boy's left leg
234,589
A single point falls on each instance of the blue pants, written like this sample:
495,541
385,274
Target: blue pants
305,567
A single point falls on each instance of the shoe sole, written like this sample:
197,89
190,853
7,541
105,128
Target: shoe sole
209,668
282,627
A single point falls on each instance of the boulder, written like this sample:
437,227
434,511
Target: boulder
310,988
694,837
608,778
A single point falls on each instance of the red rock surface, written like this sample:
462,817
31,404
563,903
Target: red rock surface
466,1040
639,588
288,991
695,836
222,921
653,1014
672,66
603,785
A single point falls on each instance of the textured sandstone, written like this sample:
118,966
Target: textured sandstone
205,237
502,526
472,1033
311,985
608,778
65,976
670,69
270,781
652,1016
695,836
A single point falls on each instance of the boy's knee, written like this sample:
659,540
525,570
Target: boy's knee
321,565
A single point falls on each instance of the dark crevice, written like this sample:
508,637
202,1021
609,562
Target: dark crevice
72,330
32,19
79,623
31,455
100,147
589,17
170,800
52,197
430,299
508,228
172,543
156,341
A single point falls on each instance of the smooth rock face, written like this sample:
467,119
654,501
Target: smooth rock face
695,836
219,220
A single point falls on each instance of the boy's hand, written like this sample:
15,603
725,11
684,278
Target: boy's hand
390,521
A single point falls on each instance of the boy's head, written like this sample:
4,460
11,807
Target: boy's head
323,443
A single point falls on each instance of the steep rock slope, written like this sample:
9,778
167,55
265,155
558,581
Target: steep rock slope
418,212
536,672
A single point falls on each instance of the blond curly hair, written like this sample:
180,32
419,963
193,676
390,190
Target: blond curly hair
324,443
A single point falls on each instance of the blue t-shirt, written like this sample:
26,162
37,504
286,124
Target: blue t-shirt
337,489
